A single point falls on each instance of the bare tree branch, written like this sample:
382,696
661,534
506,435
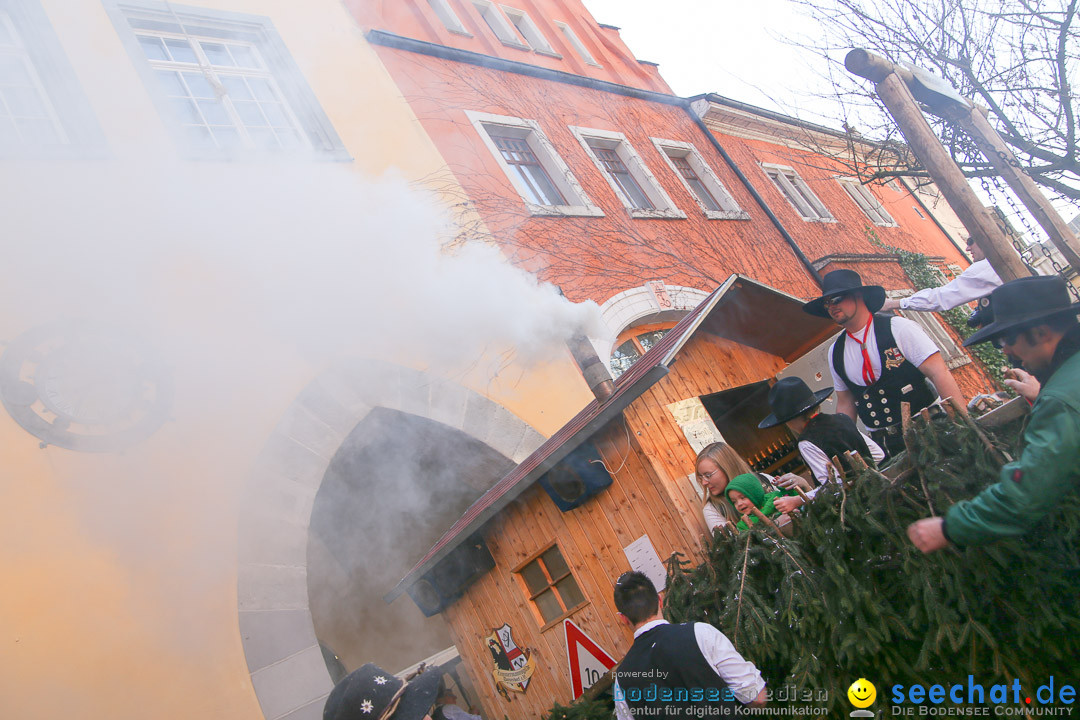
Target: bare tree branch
1015,57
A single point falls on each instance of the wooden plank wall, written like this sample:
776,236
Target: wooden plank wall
649,458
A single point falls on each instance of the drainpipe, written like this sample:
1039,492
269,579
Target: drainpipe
757,196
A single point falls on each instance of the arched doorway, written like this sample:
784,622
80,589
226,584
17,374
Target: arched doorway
395,485
288,670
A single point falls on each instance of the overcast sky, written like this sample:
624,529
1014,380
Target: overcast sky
731,48
735,49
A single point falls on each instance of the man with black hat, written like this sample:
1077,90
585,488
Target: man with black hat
1019,380
820,436
880,361
1034,322
371,693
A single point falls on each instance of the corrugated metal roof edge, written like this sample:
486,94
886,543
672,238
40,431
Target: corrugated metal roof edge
639,378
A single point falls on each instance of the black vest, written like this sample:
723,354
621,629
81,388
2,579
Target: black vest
878,405
835,435
689,682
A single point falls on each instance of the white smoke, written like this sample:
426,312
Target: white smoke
313,255
249,279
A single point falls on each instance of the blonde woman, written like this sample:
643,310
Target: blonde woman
716,465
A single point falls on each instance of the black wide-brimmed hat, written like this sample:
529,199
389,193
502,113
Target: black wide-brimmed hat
1023,302
840,282
371,693
789,398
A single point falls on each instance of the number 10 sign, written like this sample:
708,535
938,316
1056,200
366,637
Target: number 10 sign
588,662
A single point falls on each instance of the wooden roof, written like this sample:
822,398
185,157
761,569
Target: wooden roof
742,310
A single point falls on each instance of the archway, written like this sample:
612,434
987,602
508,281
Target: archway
395,485
288,670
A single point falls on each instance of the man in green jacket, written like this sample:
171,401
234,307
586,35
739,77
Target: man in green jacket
1035,323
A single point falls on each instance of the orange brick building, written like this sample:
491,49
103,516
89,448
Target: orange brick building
585,168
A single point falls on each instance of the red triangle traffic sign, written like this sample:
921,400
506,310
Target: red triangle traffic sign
588,662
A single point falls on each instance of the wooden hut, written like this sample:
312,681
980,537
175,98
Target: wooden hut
547,541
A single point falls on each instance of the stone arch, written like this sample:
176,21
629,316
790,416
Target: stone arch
285,661
640,305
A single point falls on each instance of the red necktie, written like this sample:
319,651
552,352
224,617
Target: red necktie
867,370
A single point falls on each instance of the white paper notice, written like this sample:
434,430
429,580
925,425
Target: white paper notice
643,558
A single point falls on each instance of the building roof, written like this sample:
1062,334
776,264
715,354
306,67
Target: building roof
741,310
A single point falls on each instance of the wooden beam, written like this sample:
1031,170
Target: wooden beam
978,220
975,124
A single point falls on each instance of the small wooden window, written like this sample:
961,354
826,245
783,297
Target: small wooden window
798,193
448,17
517,153
551,586
575,42
628,188
866,201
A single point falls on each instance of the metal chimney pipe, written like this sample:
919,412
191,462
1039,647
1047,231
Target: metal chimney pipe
592,367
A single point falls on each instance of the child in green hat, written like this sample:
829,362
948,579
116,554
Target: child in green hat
745,491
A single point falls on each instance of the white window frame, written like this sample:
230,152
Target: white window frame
798,193
65,109
19,51
448,17
504,30
867,202
557,170
146,17
663,207
951,352
670,149
528,30
575,42
195,42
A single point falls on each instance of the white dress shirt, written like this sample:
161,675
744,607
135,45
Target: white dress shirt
742,678
914,344
977,281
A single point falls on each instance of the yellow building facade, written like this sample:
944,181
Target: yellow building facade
242,380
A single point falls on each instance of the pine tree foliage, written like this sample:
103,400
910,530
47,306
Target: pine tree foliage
849,596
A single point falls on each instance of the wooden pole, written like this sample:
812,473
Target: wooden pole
977,219
975,124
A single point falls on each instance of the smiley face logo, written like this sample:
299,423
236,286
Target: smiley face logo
862,693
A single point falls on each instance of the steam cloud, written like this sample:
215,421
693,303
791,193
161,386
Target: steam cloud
249,278
318,256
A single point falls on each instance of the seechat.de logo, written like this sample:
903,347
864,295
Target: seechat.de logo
862,695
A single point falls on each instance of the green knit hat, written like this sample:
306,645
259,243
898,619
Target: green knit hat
749,485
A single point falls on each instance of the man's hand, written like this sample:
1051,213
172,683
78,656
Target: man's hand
890,305
928,534
791,480
788,503
1023,383
759,700
934,367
